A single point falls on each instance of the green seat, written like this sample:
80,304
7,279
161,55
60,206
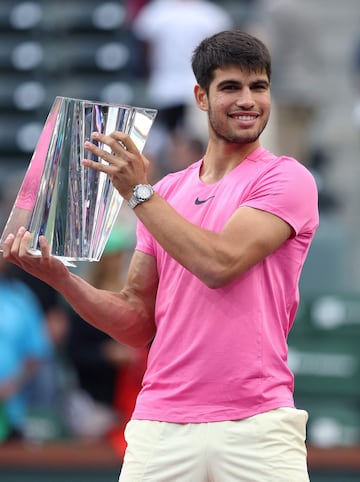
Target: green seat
45,424
332,422
336,312
325,364
329,313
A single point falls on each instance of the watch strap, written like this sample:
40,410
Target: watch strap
135,200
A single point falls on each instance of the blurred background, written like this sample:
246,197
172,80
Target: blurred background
66,391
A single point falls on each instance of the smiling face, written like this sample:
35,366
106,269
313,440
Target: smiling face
237,103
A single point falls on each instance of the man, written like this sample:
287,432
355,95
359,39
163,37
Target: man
213,283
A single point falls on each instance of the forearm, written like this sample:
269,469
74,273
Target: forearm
192,246
127,316
123,316
216,258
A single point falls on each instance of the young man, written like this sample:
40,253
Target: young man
213,283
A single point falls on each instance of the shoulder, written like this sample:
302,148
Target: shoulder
287,168
297,174
281,185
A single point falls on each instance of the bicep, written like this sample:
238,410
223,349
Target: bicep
250,235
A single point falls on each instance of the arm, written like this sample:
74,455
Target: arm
215,258
127,316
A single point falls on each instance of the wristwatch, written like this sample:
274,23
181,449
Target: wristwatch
141,193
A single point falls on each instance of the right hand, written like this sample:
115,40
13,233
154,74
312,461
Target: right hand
47,268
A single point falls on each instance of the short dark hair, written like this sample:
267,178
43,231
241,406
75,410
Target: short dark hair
230,47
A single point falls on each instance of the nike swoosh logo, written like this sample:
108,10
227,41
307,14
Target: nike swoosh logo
202,201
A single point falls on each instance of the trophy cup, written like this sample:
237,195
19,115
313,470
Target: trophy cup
74,207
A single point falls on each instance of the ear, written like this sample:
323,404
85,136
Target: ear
201,98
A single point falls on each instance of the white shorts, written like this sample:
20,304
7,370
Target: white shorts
269,447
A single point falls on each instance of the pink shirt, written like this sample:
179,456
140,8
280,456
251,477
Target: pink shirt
221,354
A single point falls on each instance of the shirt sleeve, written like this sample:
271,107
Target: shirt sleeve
144,240
288,190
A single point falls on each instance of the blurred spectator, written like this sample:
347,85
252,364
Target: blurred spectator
53,381
170,29
24,346
288,27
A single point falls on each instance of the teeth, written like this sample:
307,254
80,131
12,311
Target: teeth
244,117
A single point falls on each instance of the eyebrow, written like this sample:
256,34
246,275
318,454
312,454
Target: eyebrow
254,82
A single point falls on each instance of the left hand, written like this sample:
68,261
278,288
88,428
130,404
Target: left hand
126,165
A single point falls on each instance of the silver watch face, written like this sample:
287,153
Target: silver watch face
143,192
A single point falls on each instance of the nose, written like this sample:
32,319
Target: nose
245,99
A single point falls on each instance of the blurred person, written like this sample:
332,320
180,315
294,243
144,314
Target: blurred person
54,371
289,29
24,348
170,30
43,394
212,285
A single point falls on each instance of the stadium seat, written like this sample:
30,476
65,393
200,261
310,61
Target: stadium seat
332,422
102,16
85,54
20,53
20,15
332,312
325,364
22,92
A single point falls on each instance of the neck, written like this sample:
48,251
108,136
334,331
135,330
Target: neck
219,160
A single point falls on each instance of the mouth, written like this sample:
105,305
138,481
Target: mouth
245,121
244,117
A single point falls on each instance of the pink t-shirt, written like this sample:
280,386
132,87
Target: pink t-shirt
221,354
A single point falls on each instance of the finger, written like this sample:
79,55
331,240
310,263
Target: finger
15,245
108,144
118,142
44,248
24,244
7,244
124,141
96,166
97,151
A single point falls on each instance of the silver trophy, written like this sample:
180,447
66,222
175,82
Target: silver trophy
73,206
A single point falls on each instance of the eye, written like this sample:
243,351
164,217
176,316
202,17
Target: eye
261,87
229,87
